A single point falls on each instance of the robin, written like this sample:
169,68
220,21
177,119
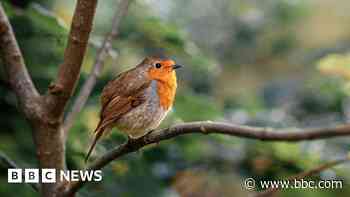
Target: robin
138,99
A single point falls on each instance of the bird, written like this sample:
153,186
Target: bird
137,100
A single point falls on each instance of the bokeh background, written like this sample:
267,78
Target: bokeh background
273,63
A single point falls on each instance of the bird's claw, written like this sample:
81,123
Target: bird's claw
130,139
149,133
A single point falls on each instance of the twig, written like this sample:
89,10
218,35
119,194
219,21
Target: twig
207,127
16,71
98,65
316,170
61,90
7,163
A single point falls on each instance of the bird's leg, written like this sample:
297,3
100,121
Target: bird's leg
131,140
149,132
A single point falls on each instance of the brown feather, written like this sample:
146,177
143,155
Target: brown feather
128,91
117,99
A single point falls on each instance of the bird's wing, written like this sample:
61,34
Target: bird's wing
120,104
118,98
125,84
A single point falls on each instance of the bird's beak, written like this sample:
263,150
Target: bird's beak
176,66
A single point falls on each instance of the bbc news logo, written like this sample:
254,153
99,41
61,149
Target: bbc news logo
33,175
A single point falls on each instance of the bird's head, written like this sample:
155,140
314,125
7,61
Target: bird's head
162,70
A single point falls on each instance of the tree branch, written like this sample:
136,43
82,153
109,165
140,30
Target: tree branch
16,71
316,170
207,127
68,73
49,135
7,163
98,65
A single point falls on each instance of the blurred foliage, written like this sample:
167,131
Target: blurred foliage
246,62
336,65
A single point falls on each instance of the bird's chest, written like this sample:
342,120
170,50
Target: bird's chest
144,117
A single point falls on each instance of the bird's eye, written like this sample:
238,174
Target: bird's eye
158,65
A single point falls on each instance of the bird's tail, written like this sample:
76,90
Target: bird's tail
97,134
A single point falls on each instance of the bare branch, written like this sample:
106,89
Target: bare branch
68,74
14,65
7,163
48,135
207,127
98,65
311,172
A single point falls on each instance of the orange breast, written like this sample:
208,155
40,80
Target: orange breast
166,90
